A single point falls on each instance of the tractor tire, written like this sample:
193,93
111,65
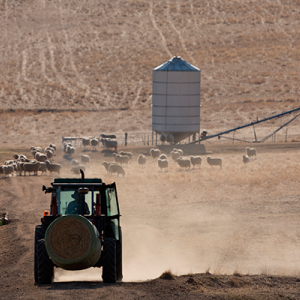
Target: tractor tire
109,261
38,235
119,257
45,266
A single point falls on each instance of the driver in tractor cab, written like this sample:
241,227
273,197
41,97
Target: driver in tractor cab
74,206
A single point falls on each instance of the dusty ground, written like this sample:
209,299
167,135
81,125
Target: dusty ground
233,231
81,68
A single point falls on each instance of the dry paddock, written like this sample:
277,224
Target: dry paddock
243,218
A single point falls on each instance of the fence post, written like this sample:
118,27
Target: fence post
126,138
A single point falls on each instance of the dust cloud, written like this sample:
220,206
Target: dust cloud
239,219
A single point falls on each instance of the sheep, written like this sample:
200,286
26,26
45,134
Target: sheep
94,143
163,163
107,136
49,153
115,168
155,153
8,169
70,150
163,156
196,160
122,159
86,142
110,143
53,167
183,162
106,165
246,159
175,154
16,156
76,169
129,154
75,162
2,170
53,146
41,157
84,158
142,159
31,167
214,161
251,152
43,168
178,150
20,168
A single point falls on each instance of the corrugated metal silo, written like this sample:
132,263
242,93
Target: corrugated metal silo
176,99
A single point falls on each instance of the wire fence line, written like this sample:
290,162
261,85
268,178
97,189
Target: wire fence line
149,138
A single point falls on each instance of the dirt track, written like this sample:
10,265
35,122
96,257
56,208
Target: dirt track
205,221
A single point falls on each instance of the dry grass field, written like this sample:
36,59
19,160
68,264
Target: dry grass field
81,68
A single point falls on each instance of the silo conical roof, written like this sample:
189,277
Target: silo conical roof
176,63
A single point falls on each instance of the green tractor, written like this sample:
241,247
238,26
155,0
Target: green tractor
81,231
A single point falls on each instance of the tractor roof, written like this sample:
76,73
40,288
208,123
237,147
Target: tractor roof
77,180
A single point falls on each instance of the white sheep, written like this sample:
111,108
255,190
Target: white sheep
122,159
163,163
175,154
75,162
196,160
94,143
2,170
84,158
129,154
179,150
251,152
53,167
76,169
183,162
41,157
214,161
163,156
115,168
246,159
70,150
155,153
31,167
106,165
142,159
86,142
43,168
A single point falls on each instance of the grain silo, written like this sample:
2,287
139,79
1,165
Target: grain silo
176,100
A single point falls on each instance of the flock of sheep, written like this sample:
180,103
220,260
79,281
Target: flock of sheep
176,155
41,162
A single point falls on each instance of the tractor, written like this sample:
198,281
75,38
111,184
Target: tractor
81,230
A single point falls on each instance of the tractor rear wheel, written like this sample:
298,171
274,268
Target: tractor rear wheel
119,257
39,234
45,267
109,261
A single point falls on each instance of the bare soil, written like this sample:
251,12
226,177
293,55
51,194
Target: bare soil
224,234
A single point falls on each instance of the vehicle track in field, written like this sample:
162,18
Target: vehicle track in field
182,42
80,81
163,40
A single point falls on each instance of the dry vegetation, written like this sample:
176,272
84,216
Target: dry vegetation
99,56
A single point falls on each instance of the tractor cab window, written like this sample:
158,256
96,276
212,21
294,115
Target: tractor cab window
111,202
113,210
70,203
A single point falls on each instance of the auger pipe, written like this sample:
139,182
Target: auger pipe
246,125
